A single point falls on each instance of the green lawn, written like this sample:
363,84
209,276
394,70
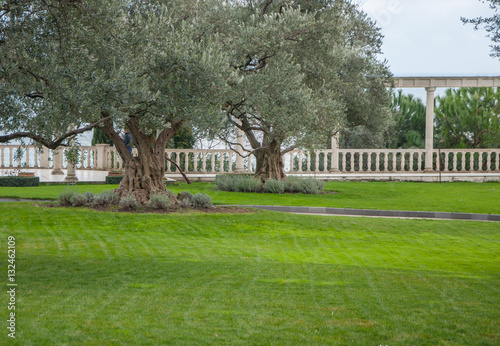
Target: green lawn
447,197
87,277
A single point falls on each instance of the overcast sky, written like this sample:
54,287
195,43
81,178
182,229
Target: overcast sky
427,37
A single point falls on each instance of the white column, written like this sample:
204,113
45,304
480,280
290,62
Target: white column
57,157
429,129
100,158
44,158
334,167
240,140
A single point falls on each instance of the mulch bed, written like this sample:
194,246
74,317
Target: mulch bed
144,210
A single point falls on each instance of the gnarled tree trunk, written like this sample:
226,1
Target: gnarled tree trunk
270,163
143,175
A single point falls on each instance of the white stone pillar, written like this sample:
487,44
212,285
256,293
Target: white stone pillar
58,160
44,158
334,166
429,129
100,156
240,140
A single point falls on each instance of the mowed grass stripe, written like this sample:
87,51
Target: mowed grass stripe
256,278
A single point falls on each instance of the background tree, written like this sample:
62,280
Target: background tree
150,66
99,137
183,139
469,118
409,116
304,72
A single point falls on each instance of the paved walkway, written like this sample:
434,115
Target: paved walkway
377,213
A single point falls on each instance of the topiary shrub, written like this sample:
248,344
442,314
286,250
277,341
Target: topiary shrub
105,198
129,203
64,198
19,181
274,186
114,179
201,200
247,184
160,201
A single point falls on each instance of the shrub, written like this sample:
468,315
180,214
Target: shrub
19,181
225,182
186,199
292,184
89,195
129,203
160,201
78,200
311,186
64,198
105,198
274,186
201,200
247,184
307,185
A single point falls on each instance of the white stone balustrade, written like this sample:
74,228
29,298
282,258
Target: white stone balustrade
215,161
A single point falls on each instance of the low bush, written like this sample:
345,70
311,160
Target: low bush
105,199
129,203
247,184
274,186
311,186
160,201
90,196
19,181
201,200
185,198
293,184
225,182
64,199
79,200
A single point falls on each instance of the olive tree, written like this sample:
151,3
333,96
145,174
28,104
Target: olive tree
305,70
148,66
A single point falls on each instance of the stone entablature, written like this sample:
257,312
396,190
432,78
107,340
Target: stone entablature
446,82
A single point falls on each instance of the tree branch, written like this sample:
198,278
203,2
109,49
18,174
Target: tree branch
48,143
266,5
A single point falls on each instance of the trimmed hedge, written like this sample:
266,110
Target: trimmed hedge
114,179
19,181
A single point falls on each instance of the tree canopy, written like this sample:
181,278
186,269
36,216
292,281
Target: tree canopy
409,127
289,74
149,66
306,69
490,24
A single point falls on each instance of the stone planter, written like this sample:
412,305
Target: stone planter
26,174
